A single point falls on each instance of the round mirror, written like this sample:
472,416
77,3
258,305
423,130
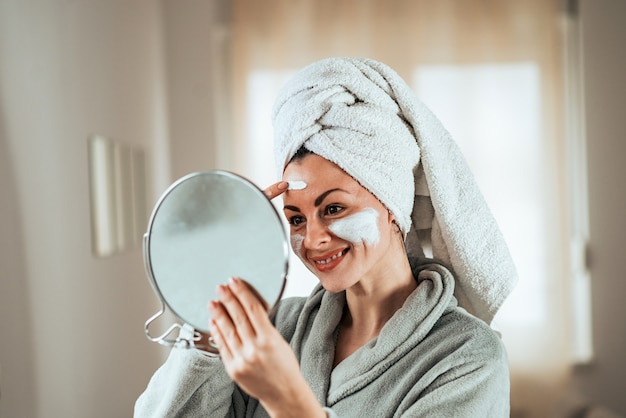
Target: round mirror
206,228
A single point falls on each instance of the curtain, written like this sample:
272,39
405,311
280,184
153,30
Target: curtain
492,71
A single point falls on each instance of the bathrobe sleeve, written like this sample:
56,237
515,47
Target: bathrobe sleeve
189,384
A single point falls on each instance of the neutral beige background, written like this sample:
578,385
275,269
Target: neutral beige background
71,339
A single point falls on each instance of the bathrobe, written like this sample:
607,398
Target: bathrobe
431,359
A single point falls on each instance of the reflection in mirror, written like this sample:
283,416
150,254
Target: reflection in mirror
206,228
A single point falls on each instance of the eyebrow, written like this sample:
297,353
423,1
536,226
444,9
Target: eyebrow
318,201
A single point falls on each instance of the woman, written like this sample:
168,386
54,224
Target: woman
383,333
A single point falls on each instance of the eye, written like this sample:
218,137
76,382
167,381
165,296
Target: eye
333,209
296,220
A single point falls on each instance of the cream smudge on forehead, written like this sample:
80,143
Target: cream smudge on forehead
362,227
296,185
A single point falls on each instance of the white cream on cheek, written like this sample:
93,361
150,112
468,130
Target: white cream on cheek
296,243
362,227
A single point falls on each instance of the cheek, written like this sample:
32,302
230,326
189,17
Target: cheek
296,243
361,227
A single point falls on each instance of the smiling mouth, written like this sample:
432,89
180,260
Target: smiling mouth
332,258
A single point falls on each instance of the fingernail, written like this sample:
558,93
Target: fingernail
234,281
221,290
282,185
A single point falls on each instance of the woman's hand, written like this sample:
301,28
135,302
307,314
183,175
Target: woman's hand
276,189
256,356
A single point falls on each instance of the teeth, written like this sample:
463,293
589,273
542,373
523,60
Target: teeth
328,260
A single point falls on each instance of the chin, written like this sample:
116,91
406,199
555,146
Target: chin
330,287
331,284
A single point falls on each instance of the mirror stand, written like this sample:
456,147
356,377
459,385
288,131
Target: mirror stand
192,339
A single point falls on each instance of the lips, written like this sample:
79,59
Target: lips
329,261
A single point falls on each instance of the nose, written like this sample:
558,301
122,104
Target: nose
317,234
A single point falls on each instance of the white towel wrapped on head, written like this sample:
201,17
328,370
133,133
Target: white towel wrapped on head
361,115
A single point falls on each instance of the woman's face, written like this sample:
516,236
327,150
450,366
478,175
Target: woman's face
340,231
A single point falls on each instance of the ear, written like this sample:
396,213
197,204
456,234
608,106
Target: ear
392,220
390,217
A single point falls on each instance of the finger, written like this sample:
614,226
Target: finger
237,313
276,189
220,341
252,303
223,321
235,281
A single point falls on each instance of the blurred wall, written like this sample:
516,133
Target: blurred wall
71,337
604,63
196,32
17,380
140,72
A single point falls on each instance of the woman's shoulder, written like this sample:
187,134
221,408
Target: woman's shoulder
469,335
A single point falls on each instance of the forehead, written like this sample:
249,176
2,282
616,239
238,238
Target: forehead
320,176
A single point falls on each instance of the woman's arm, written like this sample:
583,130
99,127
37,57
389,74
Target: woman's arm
188,384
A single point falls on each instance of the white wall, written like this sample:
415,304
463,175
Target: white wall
604,62
17,380
192,30
71,325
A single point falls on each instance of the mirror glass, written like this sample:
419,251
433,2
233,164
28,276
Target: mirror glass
206,228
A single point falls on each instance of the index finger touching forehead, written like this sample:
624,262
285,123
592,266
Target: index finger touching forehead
276,189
